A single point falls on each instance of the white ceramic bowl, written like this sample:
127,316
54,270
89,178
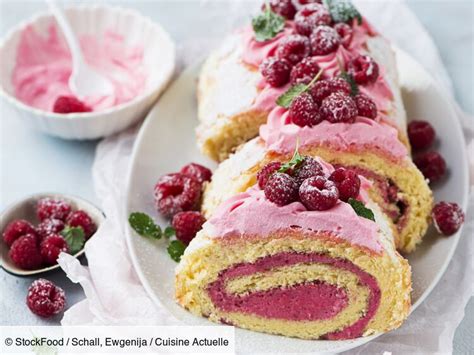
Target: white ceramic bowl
159,62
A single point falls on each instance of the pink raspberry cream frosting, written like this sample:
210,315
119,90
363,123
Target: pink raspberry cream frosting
43,67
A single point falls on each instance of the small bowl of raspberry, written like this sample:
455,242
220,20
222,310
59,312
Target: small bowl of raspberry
37,229
136,55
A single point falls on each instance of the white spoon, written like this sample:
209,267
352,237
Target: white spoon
84,80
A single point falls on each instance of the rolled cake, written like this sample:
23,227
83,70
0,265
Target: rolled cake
234,100
287,270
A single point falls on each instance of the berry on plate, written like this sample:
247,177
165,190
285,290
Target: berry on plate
51,247
187,224
25,253
16,229
52,208
81,219
49,226
347,182
197,171
421,134
264,174
431,165
448,217
318,193
45,299
281,189
176,193
69,104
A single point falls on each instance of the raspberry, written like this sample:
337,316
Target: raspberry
81,219
284,8
266,171
176,193
275,71
49,226
338,107
309,167
293,48
24,252
52,208
45,299
196,171
69,104
281,189
323,88
304,71
364,69
347,182
318,194
421,134
16,229
447,217
432,165
365,106
324,40
187,224
345,33
51,246
304,111
309,17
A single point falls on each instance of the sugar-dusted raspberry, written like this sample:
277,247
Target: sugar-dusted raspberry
432,165
16,229
304,71
318,193
323,88
45,299
310,16
366,107
448,217
176,193
281,189
293,48
197,171
69,104
284,8
266,171
347,182
324,40
421,134
81,219
308,168
187,224
338,107
276,71
25,253
364,69
304,111
51,246
53,208
49,226
345,33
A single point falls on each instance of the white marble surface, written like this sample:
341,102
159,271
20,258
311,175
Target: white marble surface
33,162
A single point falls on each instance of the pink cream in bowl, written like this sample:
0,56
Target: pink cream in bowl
43,66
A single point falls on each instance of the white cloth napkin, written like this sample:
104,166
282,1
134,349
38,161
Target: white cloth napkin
114,294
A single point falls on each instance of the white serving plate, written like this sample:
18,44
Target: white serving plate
167,141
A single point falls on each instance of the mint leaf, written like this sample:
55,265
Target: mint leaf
361,210
343,11
285,99
351,81
267,25
176,249
144,225
169,232
75,238
296,160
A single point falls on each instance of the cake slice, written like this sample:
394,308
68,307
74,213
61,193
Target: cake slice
293,271
234,99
